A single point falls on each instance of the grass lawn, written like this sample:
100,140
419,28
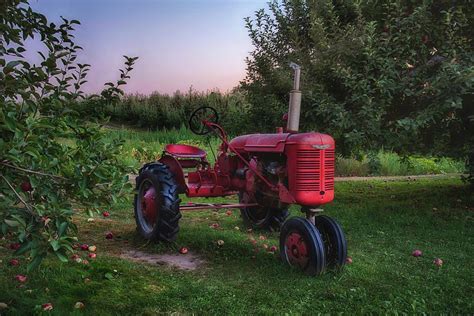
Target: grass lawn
383,222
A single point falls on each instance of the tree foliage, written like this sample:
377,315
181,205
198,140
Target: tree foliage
393,74
51,161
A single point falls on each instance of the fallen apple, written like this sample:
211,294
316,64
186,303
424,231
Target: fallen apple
79,305
105,214
183,250
109,235
348,260
237,228
228,213
90,219
220,242
85,262
75,256
416,253
215,226
21,278
3,306
92,255
265,246
14,262
262,237
92,248
84,247
47,306
15,246
26,186
273,248
438,262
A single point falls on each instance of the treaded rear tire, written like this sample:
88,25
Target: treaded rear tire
166,227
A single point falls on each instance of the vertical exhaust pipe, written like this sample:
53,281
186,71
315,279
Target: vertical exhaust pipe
294,106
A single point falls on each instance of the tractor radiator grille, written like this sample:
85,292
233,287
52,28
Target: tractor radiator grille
329,167
308,170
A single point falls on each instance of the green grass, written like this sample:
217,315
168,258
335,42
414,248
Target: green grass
383,221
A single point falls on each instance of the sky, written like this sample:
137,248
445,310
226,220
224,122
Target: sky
180,43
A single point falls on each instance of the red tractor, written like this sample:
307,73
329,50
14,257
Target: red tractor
268,172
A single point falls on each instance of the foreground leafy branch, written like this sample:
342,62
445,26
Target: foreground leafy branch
51,161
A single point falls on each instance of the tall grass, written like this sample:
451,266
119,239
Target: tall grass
142,146
391,164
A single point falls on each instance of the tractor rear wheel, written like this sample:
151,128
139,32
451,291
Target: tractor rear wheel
157,203
301,246
261,216
335,244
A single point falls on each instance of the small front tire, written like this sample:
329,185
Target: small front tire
335,244
301,246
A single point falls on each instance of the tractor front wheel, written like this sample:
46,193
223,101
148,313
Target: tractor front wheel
157,203
335,244
301,246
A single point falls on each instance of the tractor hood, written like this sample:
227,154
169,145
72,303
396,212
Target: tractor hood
276,142
260,142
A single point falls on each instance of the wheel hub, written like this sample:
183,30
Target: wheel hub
149,205
297,250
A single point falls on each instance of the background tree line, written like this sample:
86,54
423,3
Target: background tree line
375,74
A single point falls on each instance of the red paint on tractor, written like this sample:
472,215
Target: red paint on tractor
296,250
310,164
260,143
149,208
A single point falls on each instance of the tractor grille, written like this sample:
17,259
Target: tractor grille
308,170
329,168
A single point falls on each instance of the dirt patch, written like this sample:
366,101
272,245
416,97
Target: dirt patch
188,261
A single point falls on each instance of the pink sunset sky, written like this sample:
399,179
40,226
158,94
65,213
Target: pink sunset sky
180,43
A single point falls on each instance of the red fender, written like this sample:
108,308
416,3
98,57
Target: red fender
177,171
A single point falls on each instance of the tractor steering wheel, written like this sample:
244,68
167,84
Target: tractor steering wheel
197,118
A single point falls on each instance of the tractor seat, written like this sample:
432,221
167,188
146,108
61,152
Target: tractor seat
185,151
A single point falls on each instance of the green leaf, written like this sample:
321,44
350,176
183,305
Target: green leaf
109,276
23,248
62,228
55,244
35,263
61,257
12,223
